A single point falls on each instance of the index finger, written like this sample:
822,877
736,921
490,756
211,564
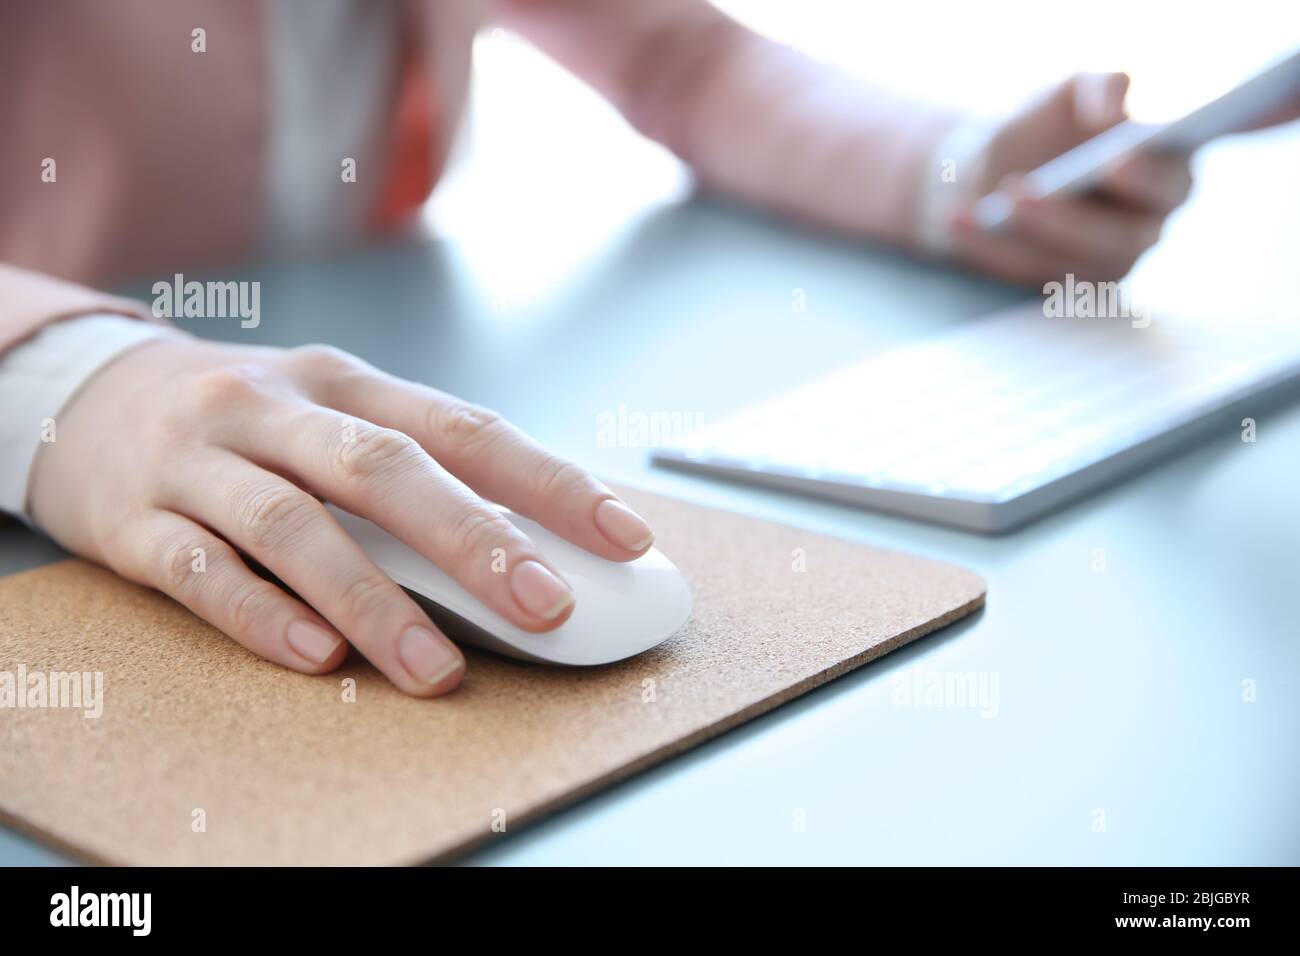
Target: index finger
493,457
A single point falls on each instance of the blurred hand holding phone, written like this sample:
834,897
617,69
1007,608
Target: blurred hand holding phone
1270,96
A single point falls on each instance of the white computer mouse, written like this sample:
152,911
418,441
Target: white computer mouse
621,609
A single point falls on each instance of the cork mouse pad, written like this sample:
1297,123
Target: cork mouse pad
202,753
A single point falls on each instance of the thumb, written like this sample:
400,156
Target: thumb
1099,100
1071,112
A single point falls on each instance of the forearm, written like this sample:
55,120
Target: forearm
754,119
782,130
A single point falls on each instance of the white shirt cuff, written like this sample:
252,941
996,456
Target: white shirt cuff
37,377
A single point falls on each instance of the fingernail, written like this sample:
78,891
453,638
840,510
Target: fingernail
1116,89
622,526
538,591
1101,100
311,641
426,657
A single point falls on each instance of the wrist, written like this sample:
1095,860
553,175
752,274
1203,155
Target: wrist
951,177
40,377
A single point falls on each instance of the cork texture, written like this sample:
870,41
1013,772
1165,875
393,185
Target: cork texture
285,770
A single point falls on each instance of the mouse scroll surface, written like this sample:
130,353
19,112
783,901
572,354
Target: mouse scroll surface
622,609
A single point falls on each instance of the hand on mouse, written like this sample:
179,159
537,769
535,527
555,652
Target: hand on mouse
182,453
1098,236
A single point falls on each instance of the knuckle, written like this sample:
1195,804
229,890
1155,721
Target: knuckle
247,606
368,452
230,385
272,515
176,555
477,531
323,359
557,477
123,541
364,597
464,423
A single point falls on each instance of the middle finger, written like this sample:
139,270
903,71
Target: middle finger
385,476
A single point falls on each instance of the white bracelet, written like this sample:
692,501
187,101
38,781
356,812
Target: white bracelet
39,376
952,174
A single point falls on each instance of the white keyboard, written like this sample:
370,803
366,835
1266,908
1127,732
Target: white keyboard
1004,418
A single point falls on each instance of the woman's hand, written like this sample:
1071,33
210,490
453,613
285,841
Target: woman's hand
181,454
1098,236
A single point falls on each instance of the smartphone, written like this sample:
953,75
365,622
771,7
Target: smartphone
1081,168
